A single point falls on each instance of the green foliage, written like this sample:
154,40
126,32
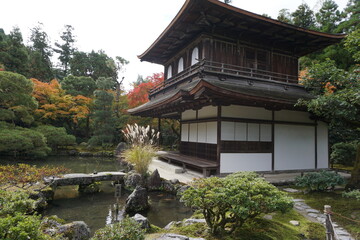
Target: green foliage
13,54
78,85
303,17
352,44
14,221
328,16
127,229
15,202
352,194
104,122
227,203
16,101
66,49
344,153
22,141
21,227
319,181
56,137
40,54
140,156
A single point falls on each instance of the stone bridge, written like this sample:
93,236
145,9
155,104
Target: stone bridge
84,179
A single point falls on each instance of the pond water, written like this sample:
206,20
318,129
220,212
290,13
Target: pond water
99,208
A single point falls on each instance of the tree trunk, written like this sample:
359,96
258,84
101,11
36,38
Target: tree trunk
354,182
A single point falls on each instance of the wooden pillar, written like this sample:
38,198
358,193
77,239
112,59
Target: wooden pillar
159,130
218,146
316,145
273,141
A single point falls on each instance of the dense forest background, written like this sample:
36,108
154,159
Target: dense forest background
54,95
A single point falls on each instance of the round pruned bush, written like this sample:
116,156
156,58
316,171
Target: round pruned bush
227,203
127,229
320,181
344,153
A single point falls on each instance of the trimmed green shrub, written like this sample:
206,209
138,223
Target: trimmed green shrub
319,181
127,229
56,136
352,194
15,202
344,153
227,203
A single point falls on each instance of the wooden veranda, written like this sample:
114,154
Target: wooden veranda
206,166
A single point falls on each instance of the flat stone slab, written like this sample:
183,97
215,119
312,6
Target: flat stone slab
291,190
310,210
84,179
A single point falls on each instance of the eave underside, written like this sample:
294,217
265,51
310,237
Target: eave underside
210,91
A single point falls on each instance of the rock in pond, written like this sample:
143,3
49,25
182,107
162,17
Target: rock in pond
77,230
133,179
137,201
143,221
154,181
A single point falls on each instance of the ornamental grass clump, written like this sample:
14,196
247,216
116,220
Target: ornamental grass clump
227,203
142,141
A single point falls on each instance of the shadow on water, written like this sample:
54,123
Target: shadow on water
98,209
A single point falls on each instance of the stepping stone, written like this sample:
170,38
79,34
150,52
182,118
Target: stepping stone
291,190
312,210
295,223
268,217
298,200
313,215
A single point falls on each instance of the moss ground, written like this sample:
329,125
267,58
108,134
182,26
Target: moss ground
260,229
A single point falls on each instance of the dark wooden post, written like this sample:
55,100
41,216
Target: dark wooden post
159,130
328,223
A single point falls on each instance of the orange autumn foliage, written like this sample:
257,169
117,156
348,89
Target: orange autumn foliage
140,93
55,104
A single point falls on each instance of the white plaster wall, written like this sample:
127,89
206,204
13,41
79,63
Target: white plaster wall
185,132
188,115
211,132
234,162
227,131
265,133
201,128
237,111
253,132
292,116
322,145
193,132
294,147
207,112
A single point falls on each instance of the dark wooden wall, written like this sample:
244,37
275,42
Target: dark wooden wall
239,55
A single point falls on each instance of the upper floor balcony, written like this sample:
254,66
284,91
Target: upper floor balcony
223,71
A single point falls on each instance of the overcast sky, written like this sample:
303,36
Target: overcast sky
119,27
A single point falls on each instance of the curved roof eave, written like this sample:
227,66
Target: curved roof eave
188,4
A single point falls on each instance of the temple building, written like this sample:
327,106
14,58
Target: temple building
231,79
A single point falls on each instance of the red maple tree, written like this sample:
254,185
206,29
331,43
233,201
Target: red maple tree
140,93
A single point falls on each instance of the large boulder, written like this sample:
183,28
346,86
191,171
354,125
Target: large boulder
133,179
137,201
77,230
154,181
143,221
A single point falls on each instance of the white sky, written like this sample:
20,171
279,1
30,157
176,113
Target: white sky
119,27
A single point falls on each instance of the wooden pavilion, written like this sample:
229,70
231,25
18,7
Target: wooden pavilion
231,78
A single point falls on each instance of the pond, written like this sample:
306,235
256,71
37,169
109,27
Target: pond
99,208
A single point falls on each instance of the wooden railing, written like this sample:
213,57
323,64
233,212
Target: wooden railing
226,69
